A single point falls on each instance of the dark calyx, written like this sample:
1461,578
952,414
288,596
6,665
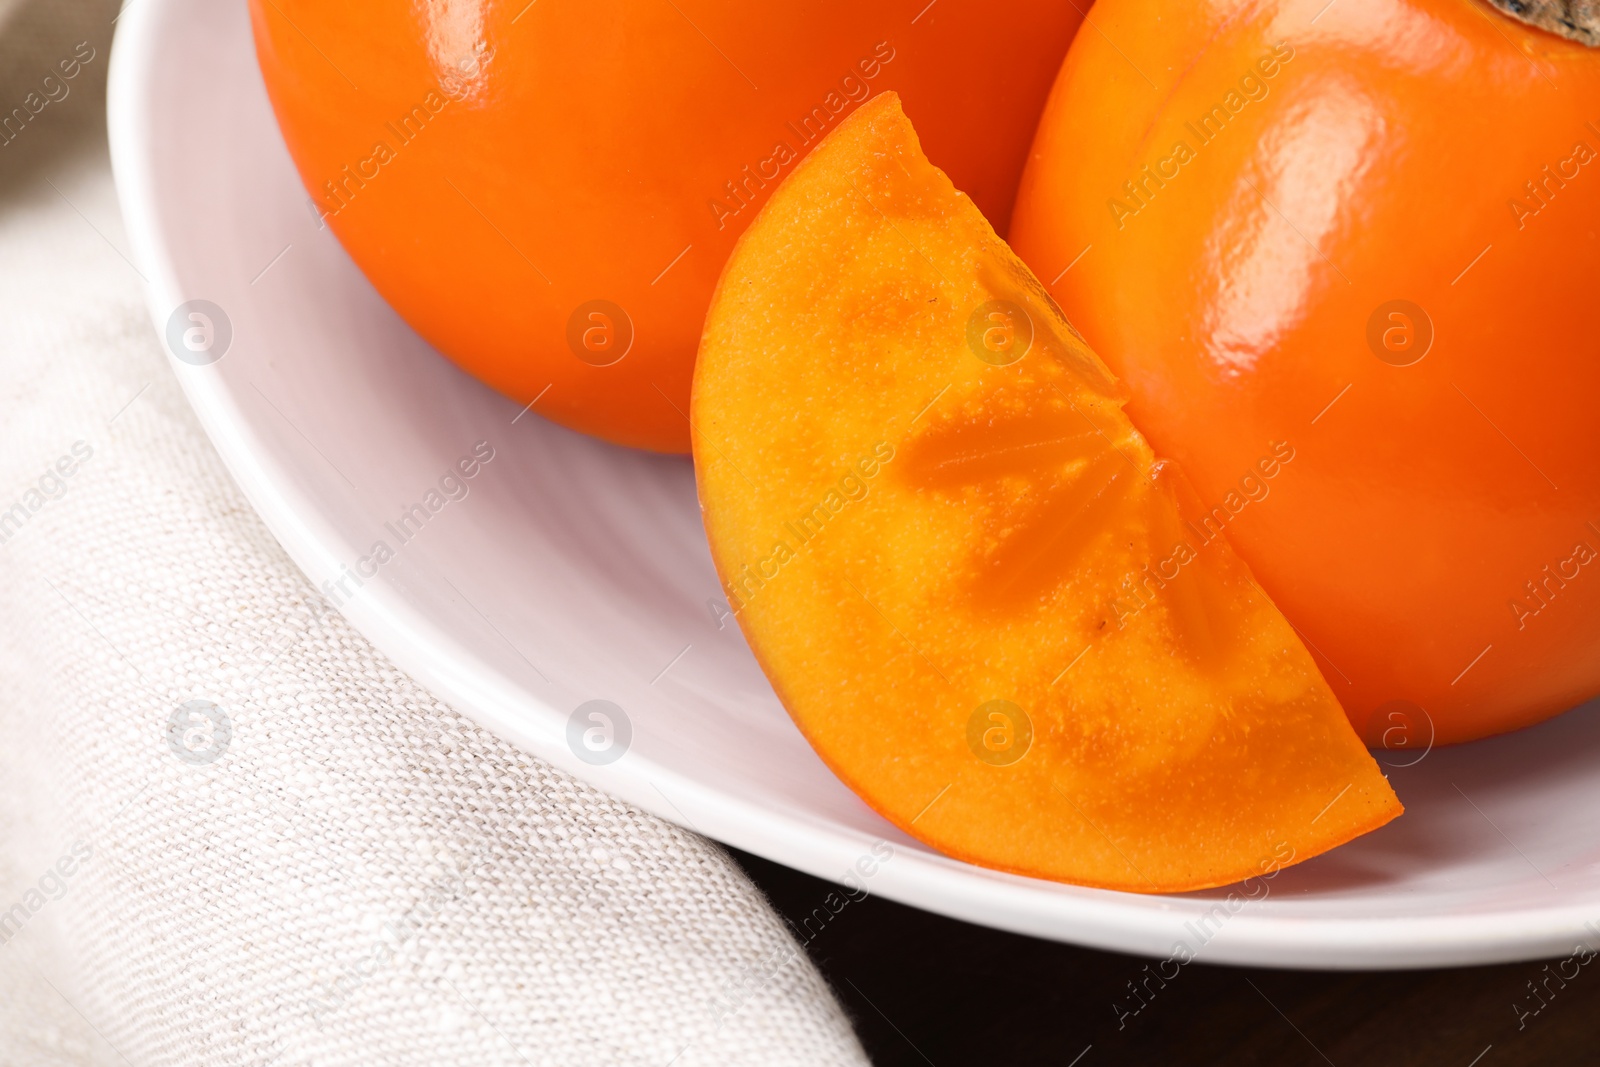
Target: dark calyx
1578,20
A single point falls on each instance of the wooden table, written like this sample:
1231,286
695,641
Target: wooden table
928,990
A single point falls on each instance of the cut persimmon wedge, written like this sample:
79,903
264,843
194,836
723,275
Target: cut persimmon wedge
995,614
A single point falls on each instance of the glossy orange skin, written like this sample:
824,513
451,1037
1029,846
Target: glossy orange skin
579,149
1382,163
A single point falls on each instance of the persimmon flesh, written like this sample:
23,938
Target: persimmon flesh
547,191
1372,232
972,584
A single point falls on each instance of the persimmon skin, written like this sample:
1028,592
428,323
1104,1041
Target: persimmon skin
577,151
1386,161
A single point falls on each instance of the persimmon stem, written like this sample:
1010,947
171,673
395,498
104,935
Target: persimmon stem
1577,20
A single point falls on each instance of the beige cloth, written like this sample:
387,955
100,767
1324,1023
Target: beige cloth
318,863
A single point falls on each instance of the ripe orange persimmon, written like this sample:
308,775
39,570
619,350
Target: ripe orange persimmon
548,191
987,605
1344,256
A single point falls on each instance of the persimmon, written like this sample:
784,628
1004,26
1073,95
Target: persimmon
983,599
1369,230
547,192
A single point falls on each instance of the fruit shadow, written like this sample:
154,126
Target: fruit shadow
1513,802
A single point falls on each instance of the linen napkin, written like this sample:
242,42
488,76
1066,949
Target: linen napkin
230,831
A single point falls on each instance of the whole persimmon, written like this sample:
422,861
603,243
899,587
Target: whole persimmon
1344,256
547,192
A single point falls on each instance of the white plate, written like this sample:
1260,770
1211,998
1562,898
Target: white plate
574,571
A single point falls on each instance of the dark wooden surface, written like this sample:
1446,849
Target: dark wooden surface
924,990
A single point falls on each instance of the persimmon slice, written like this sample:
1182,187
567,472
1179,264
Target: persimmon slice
974,587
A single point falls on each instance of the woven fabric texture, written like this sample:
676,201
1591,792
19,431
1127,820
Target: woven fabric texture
230,831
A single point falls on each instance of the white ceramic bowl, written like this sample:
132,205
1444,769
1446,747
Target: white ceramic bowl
573,571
